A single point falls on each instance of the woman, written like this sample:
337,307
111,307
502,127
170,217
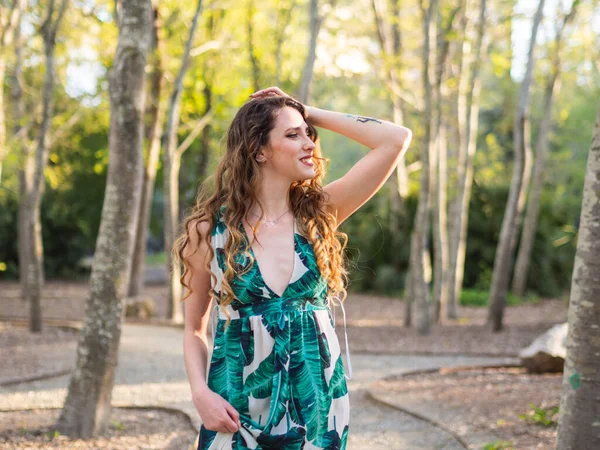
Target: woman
265,245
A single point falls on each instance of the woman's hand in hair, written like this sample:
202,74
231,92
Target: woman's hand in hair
268,92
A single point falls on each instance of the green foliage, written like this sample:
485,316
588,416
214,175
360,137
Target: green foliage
52,434
388,281
545,417
118,425
375,264
475,297
554,245
498,445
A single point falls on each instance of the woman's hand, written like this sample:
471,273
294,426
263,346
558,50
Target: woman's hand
268,92
217,413
274,91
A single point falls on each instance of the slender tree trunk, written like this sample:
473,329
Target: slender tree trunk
205,152
315,22
157,113
10,22
171,164
533,207
468,115
579,406
284,16
21,146
253,60
390,40
419,238
87,408
504,252
439,172
442,220
32,227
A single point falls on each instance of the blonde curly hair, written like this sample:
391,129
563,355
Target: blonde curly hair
237,178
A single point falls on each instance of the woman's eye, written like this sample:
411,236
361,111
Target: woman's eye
292,135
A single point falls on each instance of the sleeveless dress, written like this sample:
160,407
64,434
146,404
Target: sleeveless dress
279,362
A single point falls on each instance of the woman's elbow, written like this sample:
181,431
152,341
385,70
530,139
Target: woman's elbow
403,138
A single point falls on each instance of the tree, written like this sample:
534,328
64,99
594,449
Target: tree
10,23
468,124
387,23
156,113
315,22
171,163
533,205
31,228
439,168
579,405
516,197
87,407
418,248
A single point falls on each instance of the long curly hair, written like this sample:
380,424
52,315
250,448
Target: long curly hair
238,178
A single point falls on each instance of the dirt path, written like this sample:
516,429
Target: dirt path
151,373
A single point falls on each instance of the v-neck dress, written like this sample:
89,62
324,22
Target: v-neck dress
279,362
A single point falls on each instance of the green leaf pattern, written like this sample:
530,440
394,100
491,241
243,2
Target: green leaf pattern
279,362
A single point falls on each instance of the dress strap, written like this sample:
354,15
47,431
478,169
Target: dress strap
348,377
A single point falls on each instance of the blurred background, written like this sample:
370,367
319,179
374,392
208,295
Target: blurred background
460,90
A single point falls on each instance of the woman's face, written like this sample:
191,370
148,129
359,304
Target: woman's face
288,144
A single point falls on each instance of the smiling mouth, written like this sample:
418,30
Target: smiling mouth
307,161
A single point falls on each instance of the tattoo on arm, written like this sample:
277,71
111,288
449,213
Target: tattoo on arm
362,119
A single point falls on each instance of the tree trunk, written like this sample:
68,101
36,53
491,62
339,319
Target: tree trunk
439,172
205,152
468,116
156,113
315,22
419,237
504,252
253,61
579,406
284,16
10,23
21,146
388,32
32,228
171,165
441,284
86,411
533,208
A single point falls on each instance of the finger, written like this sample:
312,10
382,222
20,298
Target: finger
231,426
232,412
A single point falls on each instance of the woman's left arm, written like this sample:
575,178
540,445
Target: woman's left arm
388,143
370,132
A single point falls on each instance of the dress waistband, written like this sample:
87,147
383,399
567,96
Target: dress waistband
289,305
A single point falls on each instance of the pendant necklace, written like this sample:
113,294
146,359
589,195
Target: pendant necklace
271,222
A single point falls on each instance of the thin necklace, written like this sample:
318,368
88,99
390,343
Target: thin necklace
271,222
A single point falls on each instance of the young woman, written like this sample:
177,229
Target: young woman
265,245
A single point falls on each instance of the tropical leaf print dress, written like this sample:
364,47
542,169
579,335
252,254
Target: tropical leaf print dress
279,362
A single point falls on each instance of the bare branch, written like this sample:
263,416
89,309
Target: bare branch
194,134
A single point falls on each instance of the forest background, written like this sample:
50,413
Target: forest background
240,46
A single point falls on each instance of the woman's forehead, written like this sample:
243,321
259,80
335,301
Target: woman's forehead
289,117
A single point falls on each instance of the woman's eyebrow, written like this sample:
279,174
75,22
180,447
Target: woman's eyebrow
294,129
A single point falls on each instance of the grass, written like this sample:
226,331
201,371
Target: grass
475,297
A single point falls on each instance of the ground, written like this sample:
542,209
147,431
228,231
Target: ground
374,326
130,429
